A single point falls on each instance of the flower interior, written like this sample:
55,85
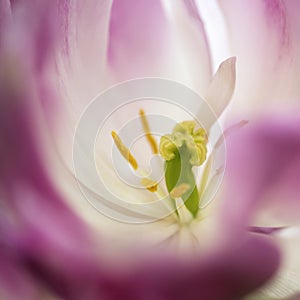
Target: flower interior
182,151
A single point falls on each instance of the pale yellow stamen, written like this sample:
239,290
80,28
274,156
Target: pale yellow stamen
149,136
179,190
124,150
149,184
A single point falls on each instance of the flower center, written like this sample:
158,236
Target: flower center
182,150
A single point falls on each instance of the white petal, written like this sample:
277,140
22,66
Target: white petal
221,89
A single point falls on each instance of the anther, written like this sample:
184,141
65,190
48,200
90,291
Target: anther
149,136
149,184
179,190
124,150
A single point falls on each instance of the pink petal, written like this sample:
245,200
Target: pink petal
37,22
137,33
265,38
228,274
262,176
5,13
50,240
15,281
34,35
145,41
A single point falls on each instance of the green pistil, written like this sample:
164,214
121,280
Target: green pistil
183,149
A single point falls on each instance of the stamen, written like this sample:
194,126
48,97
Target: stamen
124,150
149,184
179,190
149,136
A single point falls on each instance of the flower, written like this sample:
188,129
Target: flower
55,57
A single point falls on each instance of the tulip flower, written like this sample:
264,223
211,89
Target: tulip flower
67,66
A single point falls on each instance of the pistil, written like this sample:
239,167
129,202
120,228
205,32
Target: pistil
182,150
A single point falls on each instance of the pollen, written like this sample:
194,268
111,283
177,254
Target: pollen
149,184
124,150
151,140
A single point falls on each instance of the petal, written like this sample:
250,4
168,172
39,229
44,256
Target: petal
35,35
79,67
224,275
192,59
221,88
213,173
5,13
263,168
36,21
286,283
12,275
137,33
146,40
83,59
264,35
57,248
50,241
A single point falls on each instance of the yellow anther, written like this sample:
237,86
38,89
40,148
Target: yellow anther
149,184
124,150
179,190
149,136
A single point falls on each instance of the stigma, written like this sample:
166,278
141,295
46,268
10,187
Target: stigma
185,135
